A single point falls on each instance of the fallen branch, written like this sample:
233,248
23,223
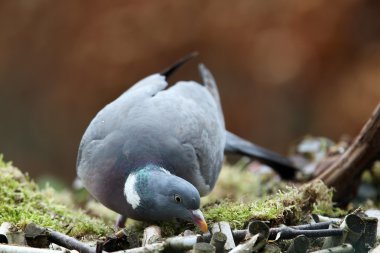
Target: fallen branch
359,156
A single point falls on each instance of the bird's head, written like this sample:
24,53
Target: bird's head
158,195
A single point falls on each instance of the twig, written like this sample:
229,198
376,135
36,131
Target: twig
376,250
182,243
271,248
239,235
352,228
344,248
368,240
4,230
293,231
10,235
177,243
300,244
359,156
225,228
259,227
247,246
68,242
99,247
289,232
21,249
319,225
321,219
155,247
218,240
258,237
40,237
203,247
36,236
152,234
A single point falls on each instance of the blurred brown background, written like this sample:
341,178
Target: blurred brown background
284,68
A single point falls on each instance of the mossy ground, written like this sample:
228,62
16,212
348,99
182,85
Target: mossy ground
290,206
23,202
239,197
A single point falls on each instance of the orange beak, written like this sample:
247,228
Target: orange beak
199,220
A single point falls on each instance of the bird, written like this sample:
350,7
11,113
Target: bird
151,153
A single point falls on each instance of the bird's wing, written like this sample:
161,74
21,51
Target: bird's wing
112,117
235,144
202,127
100,156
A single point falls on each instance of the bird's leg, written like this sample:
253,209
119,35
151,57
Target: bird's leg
120,221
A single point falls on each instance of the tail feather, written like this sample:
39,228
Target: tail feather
237,145
209,82
170,70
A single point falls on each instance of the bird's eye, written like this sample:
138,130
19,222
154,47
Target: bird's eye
177,198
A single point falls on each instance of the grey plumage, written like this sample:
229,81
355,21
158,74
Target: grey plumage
180,129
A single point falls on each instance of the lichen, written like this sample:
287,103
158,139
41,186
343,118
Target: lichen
23,202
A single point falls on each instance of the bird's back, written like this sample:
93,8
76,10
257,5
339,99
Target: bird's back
180,128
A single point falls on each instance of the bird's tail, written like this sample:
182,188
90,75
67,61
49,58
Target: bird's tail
171,69
209,82
237,145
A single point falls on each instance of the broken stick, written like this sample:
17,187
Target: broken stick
345,172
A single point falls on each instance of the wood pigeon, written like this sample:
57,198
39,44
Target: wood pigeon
151,153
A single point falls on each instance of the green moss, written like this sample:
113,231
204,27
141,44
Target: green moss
290,207
239,184
22,202
241,196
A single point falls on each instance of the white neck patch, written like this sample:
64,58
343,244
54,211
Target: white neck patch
130,192
165,171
